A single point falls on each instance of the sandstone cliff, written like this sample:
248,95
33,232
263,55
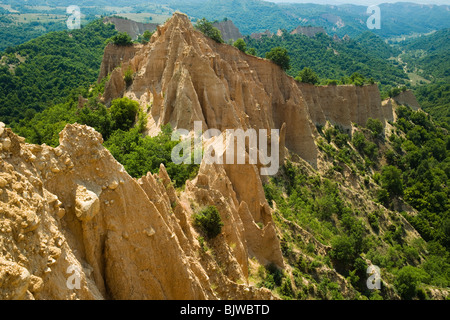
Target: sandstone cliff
186,77
74,210
407,98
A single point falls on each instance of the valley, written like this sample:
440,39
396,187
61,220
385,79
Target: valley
88,181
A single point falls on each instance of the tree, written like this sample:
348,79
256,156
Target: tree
359,141
280,57
209,221
240,44
407,280
376,126
251,51
128,77
357,79
307,75
122,39
391,180
147,35
207,28
123,113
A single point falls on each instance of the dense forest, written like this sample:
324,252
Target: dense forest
12,33
46,70
429,57
330,59
410,164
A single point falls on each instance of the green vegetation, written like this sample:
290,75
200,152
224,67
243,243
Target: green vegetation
280,57
417,171
51,68
207,28
257,16
429,57
307,76
128,77
209,221
423,161
344,62
13,33
240,44
123,113
122,39
145,37
120,125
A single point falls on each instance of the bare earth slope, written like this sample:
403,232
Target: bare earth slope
75,208
186,77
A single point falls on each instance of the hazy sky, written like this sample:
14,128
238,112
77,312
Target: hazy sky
364,2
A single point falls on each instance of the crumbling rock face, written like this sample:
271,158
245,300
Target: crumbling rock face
181,76
75,225
114,56
407,98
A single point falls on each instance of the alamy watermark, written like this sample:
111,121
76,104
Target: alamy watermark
228,148
74,20
374,21
374,280
74,280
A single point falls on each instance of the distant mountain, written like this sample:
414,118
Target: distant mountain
228,30
133,28
252,16
255,16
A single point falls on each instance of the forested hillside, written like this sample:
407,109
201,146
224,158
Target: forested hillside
12,33
429,57
329,59
380,196
47,69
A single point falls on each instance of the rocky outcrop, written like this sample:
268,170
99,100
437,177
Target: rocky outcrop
258,35
133,28
343,105
228,30
114,56
186,77
308,31
407,98
75,225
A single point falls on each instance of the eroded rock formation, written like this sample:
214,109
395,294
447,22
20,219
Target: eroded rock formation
185,77
74,210
75,225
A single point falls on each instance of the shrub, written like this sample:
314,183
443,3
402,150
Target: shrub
128,77
359,141
209,221
357,79
376,126
122,39
240,44
123,113
391,180
280,57
251,51
307,76
407,280
206,27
